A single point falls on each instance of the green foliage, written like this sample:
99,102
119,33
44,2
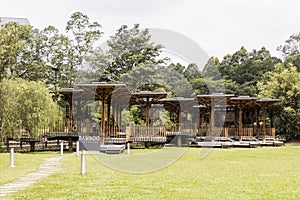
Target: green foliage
128,48
26,105
284,83
157,78
136,116
211,69
19,57
164,120
83,36
291,50
66,53
239,72
47,55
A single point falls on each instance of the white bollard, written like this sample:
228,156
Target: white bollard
62,148
77,148
83,162
128,148
12,158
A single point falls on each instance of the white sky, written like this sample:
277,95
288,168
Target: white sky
218,26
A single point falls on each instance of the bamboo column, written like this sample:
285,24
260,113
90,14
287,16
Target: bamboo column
212,121
264,130
240,109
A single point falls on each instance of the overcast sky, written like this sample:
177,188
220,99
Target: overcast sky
218,26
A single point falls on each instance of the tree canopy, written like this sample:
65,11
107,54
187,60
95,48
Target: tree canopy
26,104
128,48
291,50
284,83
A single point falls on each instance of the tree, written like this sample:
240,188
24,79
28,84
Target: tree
64,55
291,50
26,105
192,72
246,69
211,69
284,83
19,57
157,78
128,48
83,36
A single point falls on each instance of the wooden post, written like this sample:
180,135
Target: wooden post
102,130
257,122
212,121
128,132
113,130
118,124
264,131
70,140
70,116
108,118
236,129
179,120
240,122
32,146
147,113
202,123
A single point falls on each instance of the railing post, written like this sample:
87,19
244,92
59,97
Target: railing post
128,133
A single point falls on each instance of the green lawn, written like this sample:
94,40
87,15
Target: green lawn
259,173
25,163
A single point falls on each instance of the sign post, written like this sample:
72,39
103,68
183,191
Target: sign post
83,163
12,158
77,148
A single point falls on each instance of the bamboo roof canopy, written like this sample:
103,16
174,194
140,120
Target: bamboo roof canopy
175,103
146,97
67,93
106,92
214,99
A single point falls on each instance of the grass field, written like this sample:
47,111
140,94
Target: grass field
25,163
259,173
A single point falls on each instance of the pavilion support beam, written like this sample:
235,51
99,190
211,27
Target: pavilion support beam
212,121
179,120
240,108
70,141
117,118
202,122
70,122
108,117
236,122
120,117
257,122
113,119
102,129
264,130
147,114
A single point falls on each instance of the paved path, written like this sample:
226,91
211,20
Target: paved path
50,166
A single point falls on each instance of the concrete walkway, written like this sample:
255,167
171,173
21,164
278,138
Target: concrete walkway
50,166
